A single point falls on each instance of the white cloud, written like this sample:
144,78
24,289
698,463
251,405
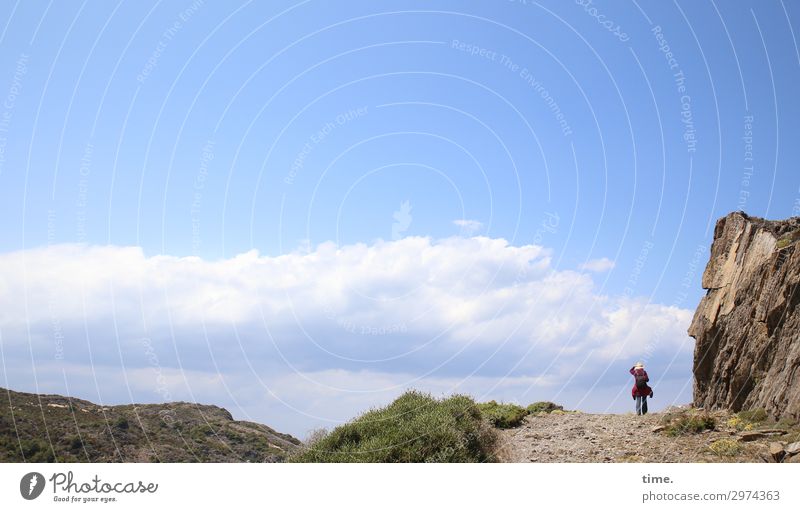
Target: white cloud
361,321
468,227
598,265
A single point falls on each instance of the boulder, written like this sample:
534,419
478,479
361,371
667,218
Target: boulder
793,449
750,436
776,451
773,431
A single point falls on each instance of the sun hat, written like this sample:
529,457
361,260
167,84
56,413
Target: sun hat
639,365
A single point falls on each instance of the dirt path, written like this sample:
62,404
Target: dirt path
582,437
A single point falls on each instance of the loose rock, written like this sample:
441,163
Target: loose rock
793,449
750,436
772,431
776,451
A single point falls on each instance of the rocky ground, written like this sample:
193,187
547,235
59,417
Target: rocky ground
582,437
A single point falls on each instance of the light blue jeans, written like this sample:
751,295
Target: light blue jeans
641,405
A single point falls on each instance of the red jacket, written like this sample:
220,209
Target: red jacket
636,391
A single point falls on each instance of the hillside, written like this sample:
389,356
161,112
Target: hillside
747,327
53,428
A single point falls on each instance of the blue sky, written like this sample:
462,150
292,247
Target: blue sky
331,155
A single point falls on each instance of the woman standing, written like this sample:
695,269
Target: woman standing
640,389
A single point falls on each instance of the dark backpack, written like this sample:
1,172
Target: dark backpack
641,381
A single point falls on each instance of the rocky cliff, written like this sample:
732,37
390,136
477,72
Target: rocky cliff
747,327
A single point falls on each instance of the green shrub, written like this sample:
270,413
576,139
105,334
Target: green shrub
753,415
201,432
316,435
788,239
688,423
75,443
35,451
502,415
43,456
414,428
122,423
725,447
234,436
544,407
31,447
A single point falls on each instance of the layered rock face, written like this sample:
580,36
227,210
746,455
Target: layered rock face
747,327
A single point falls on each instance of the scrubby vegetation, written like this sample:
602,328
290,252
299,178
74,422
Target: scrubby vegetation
788,239
419,428
742,422
757,418
725,447
753,416
687,422
414,428
547,407
736,423
503,415
52,428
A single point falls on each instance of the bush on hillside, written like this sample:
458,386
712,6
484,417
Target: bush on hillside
786,423
753,416
544,407
503,415
414,428
316,435
691,422
725,447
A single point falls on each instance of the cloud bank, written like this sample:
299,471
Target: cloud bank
305,338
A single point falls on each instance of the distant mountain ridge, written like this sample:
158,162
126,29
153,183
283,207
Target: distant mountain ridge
55,428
